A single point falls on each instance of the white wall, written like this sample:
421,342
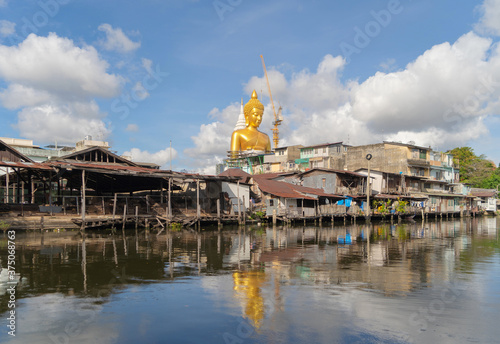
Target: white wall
232,190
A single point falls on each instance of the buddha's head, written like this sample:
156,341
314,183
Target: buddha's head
253,111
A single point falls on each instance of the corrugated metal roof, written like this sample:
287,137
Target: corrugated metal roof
280,189
287,190
331,170
236,172
273,175
102,166
485,193
323,145
28,165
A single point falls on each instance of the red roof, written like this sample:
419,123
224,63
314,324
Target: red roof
29,165
273,175
236,172
331,170
287,190
102,166
485,193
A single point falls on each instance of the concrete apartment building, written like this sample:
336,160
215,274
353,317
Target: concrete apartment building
403,158
326,155
283,159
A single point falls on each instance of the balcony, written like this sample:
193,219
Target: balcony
418,162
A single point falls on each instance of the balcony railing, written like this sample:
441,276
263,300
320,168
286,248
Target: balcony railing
418,162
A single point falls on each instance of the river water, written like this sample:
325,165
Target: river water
432,282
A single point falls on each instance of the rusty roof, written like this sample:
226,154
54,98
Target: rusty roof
237,173
287,190
273,175
280,189
324,145
483,192
331,170
102,166
28,165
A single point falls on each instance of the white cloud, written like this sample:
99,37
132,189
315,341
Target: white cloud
65,124
430,90
147,64
161,157
7,28
132,128
212,142
17,96
440,99
56,65
388,65
54,83
489,23
116,40
140,92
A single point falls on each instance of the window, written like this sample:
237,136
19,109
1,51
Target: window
271,202
423,154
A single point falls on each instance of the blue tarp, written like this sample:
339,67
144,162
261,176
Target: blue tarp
347,202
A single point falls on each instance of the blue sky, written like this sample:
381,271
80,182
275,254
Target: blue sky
142,74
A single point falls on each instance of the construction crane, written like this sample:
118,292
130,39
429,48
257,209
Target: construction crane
278,118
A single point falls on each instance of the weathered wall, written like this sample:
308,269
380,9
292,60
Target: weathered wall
315,180
385,157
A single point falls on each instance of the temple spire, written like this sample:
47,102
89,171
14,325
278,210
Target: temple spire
241,119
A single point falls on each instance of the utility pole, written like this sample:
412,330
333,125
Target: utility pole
368,188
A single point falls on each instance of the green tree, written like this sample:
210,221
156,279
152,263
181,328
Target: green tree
475,170
492,181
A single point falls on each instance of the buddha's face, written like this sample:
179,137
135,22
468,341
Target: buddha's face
255,117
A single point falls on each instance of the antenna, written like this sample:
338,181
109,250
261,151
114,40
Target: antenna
277,116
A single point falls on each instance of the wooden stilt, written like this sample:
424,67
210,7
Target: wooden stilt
218,213
83,200
170,199
239,203
114,210
198,212
32,189
124,217
136,217
7,186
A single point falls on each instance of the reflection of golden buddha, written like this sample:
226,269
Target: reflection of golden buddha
248,286
250,138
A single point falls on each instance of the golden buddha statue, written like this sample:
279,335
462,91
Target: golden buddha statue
250,138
